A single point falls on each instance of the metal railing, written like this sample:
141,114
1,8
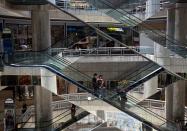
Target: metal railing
156,104
82,8
90,122
56,105
81,5
153,104
78,96
148,103
103,51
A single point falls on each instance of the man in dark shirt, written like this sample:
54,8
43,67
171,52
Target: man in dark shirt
122,98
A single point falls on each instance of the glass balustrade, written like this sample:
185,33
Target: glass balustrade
154,34
71,74
60,121
62,67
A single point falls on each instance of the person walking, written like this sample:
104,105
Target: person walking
100,84
122,98
24,108
73,111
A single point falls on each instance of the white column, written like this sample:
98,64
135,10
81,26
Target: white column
150,87
162,55
48,80
152,7
26,92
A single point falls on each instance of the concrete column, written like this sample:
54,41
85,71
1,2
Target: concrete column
169,90
179,100
152,7
43,100
170,29
169,102
43,117
0,80
65,36
181,36
181,23
150,87
41,36
41,39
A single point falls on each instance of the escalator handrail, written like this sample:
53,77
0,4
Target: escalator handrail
86,89
79,72
47,120
63,65
131,85
78,117
53,122
89,78
132,75
115,40
147,27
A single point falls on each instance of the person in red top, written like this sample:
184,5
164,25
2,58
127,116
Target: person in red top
101,85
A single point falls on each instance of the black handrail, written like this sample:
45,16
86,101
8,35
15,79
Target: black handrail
132,74
168,38
113,39
47,120
57,119
70,67
91,91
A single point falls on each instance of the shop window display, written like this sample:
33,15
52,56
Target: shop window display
57,35
22,36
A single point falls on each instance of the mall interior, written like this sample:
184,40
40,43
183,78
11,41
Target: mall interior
93,65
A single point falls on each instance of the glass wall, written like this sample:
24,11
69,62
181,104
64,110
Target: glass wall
22,36
57,34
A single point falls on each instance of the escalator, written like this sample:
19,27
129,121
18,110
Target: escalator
154,34
59,122
58,66
89,123
36,59
108,37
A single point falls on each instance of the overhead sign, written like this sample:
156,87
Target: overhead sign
115,29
